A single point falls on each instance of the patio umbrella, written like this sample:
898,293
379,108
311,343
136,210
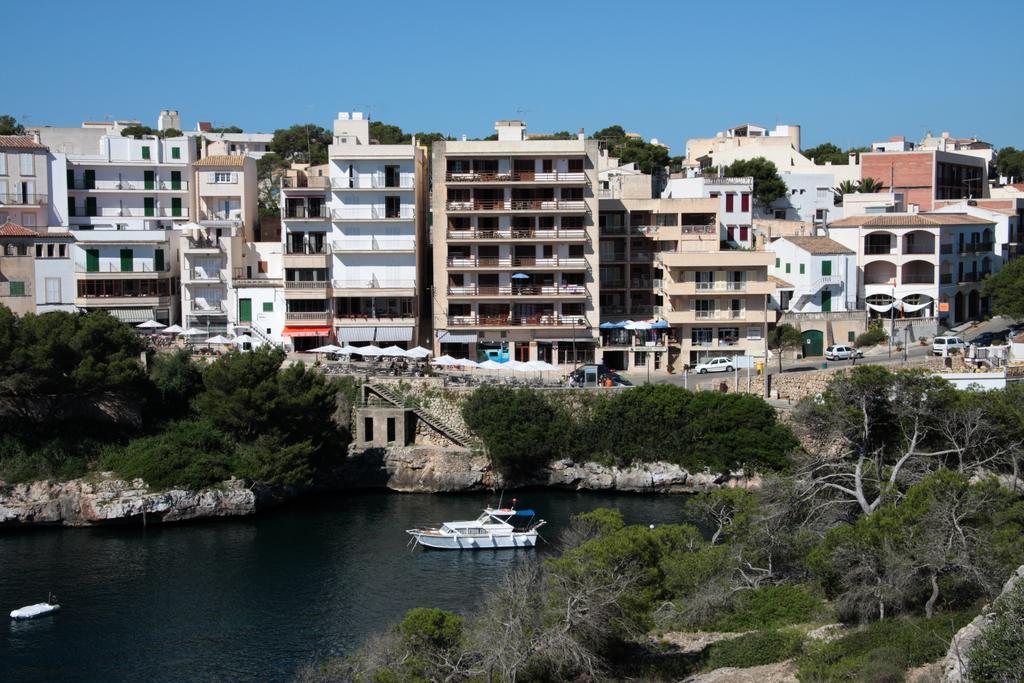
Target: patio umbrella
368,351
490,365
465,363
346,350
393,352
192,332
329,348
219,339
444,361
520,276
173,329
418,352
151,325
244,339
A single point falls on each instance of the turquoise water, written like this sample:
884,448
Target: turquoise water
252,599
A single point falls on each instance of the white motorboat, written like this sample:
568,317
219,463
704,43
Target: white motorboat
32,611
496,528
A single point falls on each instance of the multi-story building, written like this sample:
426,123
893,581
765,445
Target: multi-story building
17,268
515,236
926,264
124,204
376,247
24,181
924,176
54,271
819,275
1007,214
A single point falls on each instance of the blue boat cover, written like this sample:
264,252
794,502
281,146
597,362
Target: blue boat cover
525,513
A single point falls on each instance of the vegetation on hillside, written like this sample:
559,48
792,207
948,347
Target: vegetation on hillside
1005,289
10,126
768,185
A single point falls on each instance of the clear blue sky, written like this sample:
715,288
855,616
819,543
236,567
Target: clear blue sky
848,72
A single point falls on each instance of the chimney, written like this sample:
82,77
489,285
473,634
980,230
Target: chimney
581,135
853,159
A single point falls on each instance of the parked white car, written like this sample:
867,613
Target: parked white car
715,365
942,345
842,352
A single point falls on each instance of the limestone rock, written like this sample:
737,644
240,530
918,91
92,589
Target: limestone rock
780,672
958,656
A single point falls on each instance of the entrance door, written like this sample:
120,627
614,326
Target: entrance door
176,207
245,310
813,343
826,300
175,180
149,206
149,181
92,260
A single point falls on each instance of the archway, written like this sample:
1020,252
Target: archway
814,343
974,304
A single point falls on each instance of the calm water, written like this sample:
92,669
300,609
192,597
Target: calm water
250,599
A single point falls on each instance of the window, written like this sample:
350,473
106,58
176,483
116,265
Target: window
61,250
268,306
222,176
801,269
39,251
52,285
145,151
175,152
780,214
17,288
28,220
777,262
826,267
745,203
700,335
3,163
729,202
28,164
851,336
754,332
819,214
261,267
392,207
787,268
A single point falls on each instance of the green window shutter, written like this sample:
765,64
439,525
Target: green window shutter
787,268
826,267
158,260
92,260
801,269
176,153
145,151
71,206
268,306
245,310
778,261
176,206
127,261
826,301
149,206
17,288
851,336
175,179
90,206
149,180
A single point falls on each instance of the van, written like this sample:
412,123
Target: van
947,344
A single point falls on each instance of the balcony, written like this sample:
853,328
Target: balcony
23,199
923,250
308,316
242,279
514,205
308,285
374,181
204,275
374,244
542,235
641,256
543,321
132,212
533,291
492,177
373,213
200,244
382,319
316,212
139,185
108,269
878,250
372,286
973,277
613,284
474,262
976,247
612,256
720,315
201,308
729,259
304,182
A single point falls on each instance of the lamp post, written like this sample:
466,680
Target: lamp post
575,364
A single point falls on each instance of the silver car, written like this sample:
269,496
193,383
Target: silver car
842,352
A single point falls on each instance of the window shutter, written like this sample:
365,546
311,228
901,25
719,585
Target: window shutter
3,163
234,177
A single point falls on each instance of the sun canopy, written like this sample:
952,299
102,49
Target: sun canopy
173,329
393,352
219,339
151,325
418,352
192,332
329,348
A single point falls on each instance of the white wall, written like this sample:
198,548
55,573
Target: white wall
62,270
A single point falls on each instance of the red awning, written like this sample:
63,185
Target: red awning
307,331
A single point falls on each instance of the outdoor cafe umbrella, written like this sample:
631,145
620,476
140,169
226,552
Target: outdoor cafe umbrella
490,365
393,352
192,332
150,325
520,276
368,351
346,350
444,361
219,339
329,348
418,352
173,329
465,363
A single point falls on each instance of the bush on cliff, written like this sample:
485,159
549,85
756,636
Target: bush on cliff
753,649
516,426
998,655
191,454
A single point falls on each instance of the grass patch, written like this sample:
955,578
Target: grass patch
754,649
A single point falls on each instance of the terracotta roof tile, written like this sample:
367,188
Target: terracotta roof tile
817,245
21,142
234,160
908,219
779,282
9,229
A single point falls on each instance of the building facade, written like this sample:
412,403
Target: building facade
923,177
24,182
515,237
816,274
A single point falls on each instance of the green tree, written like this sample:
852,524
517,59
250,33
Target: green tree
648,157
768,186
388,134
784,338
844,188
226,129
10,126
826,153
177,379
1010,163
306,143
171,133
1005,290
515,426
138,131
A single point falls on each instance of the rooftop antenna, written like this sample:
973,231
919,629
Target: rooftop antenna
520,112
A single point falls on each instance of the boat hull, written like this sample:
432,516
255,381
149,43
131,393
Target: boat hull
526,539
33,611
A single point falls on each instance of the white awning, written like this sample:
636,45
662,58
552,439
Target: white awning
393,334
131,315
355,334
446,337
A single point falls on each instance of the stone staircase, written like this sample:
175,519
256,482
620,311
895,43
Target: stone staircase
449,431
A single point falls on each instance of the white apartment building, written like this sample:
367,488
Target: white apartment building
735,208
1008,215
926,264
124,203
515,235
809,198
813,275
352,242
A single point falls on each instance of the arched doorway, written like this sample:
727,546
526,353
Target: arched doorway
958,307
973,304
814,343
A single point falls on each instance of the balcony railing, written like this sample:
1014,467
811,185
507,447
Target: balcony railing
242,279
874,249
306,182
613,256
919,279
23,199
516,177
373,213
375,181
520,205
198,308
518,262
134,184
306,316
641,256
976,247
205,275
974,277
613,284
306,284
315,212
720,314
720,286
373,243
518,234
518,290
305,249
919,249
115,267
374,283
551,320
132,212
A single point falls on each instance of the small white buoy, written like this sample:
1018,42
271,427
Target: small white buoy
652,526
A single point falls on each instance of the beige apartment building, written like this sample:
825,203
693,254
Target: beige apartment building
515,236
24,181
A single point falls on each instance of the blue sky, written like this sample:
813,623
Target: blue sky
848,72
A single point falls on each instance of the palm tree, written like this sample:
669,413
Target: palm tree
870,185
845,187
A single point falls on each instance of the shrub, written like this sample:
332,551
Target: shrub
191,453
515,426
754,649
770,607
880,649
999,652
875,335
